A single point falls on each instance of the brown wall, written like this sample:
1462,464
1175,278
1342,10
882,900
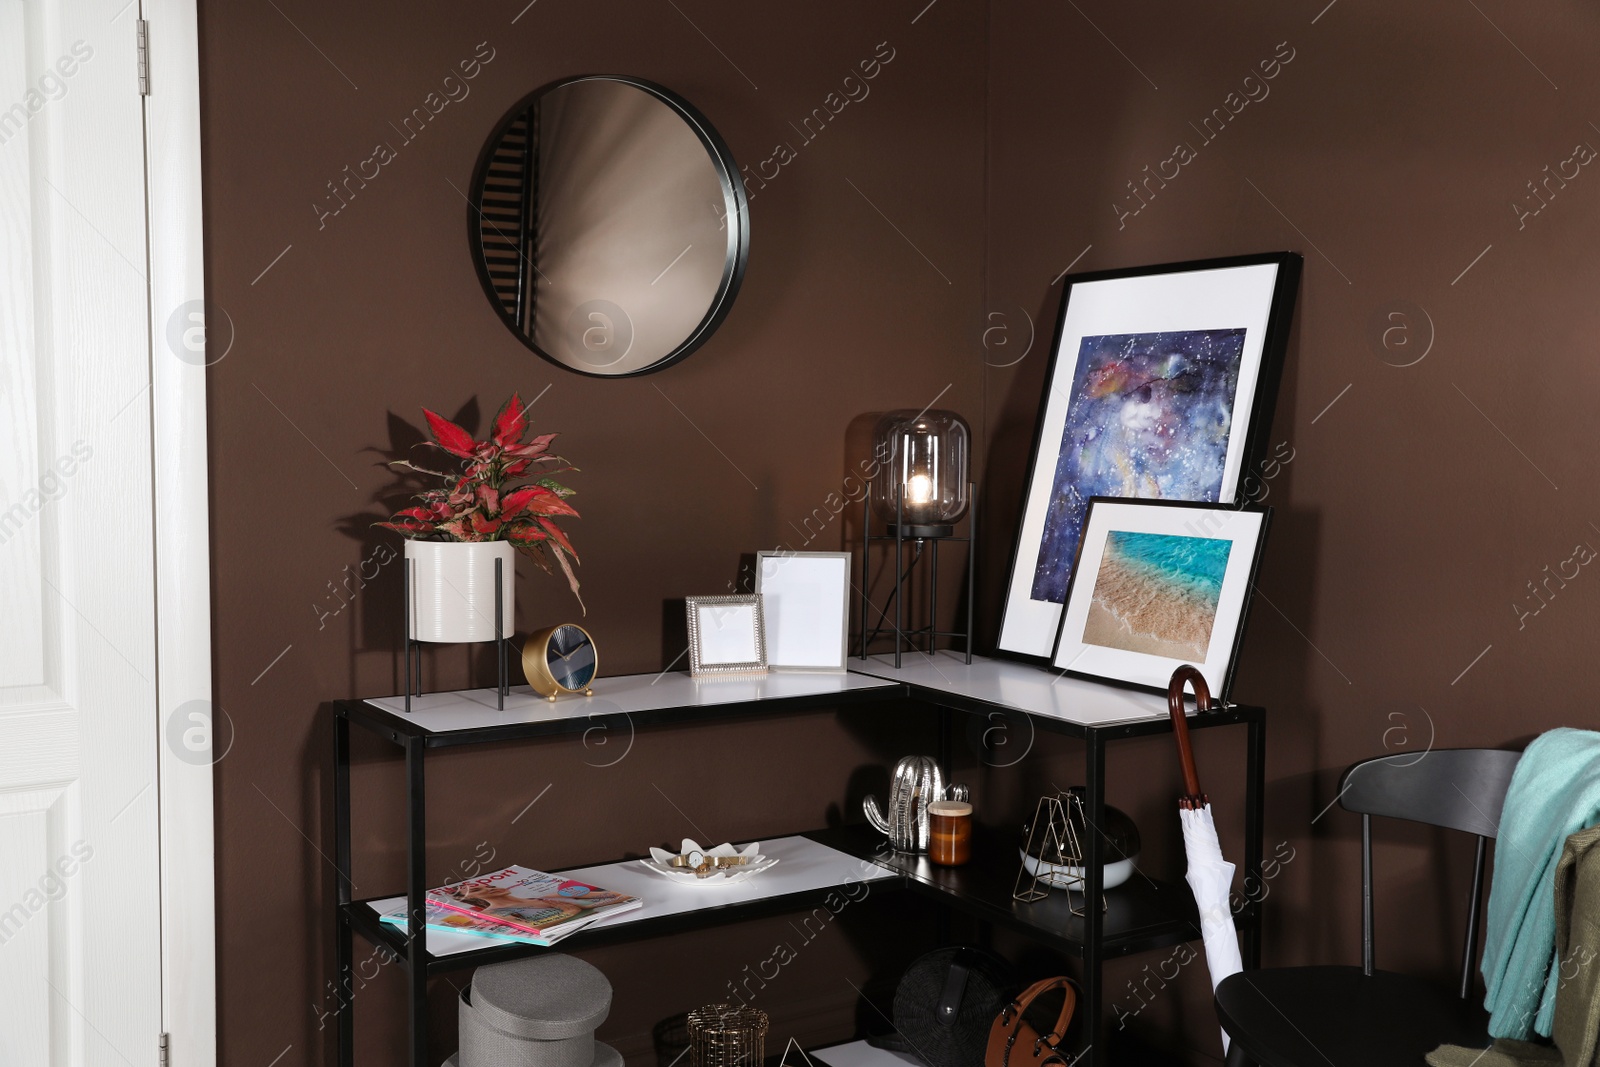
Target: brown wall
1415,511
1420,504
379,312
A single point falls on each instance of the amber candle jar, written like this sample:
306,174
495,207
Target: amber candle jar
950,832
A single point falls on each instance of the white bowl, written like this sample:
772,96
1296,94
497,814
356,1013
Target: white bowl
1062,876
660,862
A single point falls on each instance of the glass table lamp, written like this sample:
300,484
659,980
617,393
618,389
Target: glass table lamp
920,488
921,482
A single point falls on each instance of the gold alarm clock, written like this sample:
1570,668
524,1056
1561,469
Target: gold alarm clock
560,659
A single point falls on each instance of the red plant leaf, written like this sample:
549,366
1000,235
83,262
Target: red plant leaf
537,500
408,465
555,531
572,579
511,423
484,525
556,487
514,502
514,469
489,497
553,505
533,447
405,527
457,530
452,438
525,535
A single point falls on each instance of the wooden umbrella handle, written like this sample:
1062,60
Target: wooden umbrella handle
1180,726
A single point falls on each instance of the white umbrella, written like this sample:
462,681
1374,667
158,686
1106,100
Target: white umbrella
1210,876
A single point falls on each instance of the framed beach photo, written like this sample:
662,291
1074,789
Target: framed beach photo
726,635
1161,385
1160,583
805,603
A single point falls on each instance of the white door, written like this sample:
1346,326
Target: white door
80,903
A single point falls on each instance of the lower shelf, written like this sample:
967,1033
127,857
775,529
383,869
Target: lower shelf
1141,914
809,872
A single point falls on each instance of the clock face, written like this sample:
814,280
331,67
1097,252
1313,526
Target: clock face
570,657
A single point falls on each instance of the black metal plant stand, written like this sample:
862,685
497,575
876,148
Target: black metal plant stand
902,533
502,668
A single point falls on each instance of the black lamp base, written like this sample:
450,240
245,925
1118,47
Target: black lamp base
909,532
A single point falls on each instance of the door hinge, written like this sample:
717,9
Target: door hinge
142,29
162,1048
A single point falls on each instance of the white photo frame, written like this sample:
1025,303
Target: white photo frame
1157,584
726,635
805,599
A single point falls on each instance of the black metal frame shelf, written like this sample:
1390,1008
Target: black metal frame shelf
363,920
1144,914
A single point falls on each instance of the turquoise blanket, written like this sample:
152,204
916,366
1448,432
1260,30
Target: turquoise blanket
1554,793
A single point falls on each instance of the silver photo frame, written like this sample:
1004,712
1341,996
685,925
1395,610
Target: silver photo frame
805,600
727,635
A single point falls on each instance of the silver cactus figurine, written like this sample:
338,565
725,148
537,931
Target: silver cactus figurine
917,782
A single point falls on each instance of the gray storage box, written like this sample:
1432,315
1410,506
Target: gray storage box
537,1012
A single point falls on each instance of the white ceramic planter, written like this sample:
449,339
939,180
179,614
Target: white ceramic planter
452,589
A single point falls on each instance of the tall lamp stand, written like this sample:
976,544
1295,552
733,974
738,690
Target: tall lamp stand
902,534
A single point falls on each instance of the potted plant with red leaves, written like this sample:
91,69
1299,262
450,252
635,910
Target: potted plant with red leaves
503,498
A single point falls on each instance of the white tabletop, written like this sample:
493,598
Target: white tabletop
803,866
1041,691
629,694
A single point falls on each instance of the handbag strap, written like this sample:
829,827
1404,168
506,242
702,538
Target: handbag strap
1069,1001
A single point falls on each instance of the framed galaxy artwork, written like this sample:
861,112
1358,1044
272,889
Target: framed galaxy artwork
1157,584
1161,385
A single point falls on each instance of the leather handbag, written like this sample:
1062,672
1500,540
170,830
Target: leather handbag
1013,1041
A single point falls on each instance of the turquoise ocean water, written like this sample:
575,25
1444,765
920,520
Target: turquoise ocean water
1193,566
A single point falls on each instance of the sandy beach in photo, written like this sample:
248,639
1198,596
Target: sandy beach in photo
1157,594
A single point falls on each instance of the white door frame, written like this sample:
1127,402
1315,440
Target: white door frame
182,550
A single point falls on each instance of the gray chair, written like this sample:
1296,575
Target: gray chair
1360,1016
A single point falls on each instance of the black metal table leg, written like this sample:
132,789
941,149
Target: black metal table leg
1255,779
972,558
344,1017
1095,1055
866,571
899,592
416,900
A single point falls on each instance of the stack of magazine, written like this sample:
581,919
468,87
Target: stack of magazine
518,905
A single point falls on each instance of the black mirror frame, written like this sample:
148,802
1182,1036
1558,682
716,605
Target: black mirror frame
735,201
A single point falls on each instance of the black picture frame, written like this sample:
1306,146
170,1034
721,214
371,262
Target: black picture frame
1221,685
1038,647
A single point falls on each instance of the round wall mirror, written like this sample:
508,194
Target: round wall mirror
609,225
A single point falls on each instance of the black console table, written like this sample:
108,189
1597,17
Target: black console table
1141,915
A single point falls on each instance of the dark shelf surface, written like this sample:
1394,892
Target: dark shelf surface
1141,914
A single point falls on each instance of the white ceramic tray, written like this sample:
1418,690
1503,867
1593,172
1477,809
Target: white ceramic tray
660,862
